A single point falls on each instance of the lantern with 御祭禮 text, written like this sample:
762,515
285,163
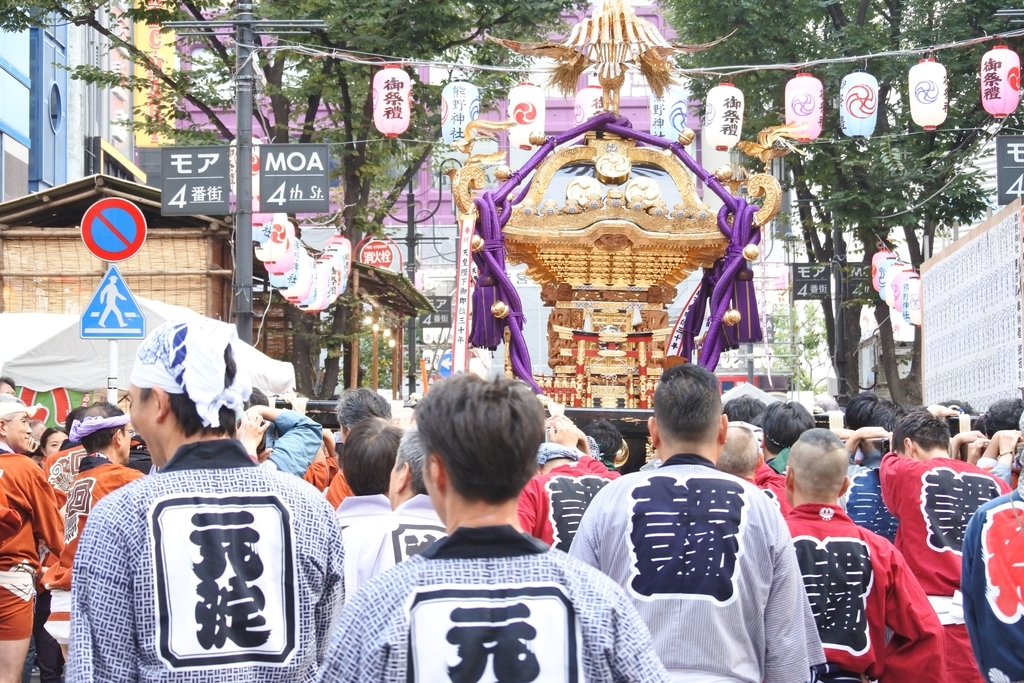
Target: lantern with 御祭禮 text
1000,81
587,104
929,92
392,100
526,108
858,104
723,116
460,104
805,102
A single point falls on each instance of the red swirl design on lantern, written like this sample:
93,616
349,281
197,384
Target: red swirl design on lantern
524,113
861,101
1013,77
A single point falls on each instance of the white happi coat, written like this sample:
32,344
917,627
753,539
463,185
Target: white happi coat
708,562
212,570
486,604
376,543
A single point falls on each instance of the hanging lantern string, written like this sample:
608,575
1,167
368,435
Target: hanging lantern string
372,59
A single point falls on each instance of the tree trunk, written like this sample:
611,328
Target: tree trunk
890,366
332,366
302,356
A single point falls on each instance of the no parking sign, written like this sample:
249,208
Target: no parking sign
113,229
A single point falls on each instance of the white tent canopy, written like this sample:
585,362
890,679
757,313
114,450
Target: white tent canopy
42,351
749,390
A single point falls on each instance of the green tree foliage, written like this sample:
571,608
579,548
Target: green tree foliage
309,97
903,185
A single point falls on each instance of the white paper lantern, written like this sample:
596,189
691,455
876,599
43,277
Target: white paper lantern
1000,81
858,104
914,301
323,274
887,269
929,93
723,116
893,277
392,100
303,281
588,103
805,106
277,251
460,104
526,108
339,250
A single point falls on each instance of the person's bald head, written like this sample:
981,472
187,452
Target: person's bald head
739,454
817,468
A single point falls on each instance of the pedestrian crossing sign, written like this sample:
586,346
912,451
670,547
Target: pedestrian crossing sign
113,312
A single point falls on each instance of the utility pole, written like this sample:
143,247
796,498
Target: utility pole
246,28
410,266
839,266
242,284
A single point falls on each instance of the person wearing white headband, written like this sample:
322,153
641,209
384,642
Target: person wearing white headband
212,569
40,530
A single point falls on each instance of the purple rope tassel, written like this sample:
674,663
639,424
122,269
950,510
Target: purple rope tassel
721,285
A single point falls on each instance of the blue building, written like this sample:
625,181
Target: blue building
33,110
15,117
48,120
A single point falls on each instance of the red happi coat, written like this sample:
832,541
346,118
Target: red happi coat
770,481
87,489
859,585
574,486
934,501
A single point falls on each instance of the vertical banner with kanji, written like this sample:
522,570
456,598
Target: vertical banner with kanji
460,304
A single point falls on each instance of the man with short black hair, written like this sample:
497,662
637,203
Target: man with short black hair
354,406
783,423
7,386
488,598
1003,415
705,556
744,409
609,441
934,498
874,619
367,463
213,569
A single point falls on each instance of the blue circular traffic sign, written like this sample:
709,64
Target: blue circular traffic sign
444,368
113,229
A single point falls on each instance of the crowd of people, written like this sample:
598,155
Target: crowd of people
205,535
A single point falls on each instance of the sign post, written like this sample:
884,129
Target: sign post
294,178
1009,168
113,230
195,181
811,281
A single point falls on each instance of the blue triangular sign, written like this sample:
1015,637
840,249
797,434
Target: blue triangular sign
113,312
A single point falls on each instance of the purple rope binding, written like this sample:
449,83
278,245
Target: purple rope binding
717,287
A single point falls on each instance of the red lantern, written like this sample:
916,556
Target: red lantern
392,100
1000,81
805,106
